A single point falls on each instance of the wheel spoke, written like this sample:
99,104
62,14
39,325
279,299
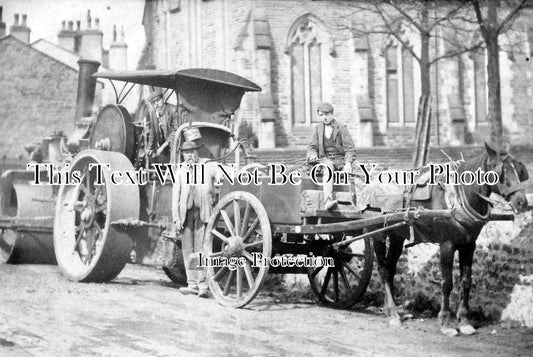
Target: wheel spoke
85,190
80,235
228,282
250,230
220,235
90,239
325,282
229,225
336,283
249,275
101,207
316,271
246,218
348,266
220,273
247,255
98,191
345,279
239,282
237,215
257,244
214,255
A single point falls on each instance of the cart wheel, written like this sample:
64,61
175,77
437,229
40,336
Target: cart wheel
88,247
237,232
8,238
344,284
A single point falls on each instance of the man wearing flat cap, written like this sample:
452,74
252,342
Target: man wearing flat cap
192,204
163,125
331,142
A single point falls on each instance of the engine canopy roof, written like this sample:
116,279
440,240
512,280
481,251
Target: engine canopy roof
175,79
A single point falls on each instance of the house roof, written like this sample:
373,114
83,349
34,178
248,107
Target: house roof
50,55
59,53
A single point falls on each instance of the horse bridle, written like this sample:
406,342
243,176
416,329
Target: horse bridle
522,176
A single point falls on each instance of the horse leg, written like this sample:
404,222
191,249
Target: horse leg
380,248
466,255
447,251
393,255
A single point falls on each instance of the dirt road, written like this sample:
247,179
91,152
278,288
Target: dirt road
141,314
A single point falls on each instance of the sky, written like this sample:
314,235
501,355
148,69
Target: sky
45,16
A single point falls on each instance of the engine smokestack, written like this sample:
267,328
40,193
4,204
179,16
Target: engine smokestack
86,88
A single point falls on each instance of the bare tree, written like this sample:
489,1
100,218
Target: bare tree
429,19
494,19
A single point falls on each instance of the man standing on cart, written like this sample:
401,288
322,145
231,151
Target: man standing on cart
331,142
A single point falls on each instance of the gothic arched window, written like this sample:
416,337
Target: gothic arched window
400,84
306,46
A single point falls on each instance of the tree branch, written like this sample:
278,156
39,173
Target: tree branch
510,15
397,36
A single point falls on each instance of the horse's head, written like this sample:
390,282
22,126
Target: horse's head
512,173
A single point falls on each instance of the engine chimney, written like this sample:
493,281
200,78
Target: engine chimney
86,88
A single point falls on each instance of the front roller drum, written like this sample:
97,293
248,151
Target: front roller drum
87,246
238,230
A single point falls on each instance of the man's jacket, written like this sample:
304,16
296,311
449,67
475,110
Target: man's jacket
162,127
341,137
181,191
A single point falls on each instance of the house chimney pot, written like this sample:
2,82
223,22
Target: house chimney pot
114,33
16,19
71,25
88,19
78,25
24,18
97,23
63,24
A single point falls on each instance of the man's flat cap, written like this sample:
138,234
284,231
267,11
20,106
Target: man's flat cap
325,107
189,145
156,93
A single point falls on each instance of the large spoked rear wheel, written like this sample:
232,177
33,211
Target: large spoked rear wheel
344,284
87,246
239,232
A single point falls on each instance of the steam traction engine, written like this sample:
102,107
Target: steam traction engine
95,229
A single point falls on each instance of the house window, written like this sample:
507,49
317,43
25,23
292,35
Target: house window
306,60
480,86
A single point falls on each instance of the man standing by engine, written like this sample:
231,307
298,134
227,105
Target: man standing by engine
163,126
332,142
192,204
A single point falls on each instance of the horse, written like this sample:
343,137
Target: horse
458,233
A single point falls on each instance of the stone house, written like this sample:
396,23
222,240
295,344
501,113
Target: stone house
299,53
39,80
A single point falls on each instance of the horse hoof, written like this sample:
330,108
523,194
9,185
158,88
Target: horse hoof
467,329
395,322
449,331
